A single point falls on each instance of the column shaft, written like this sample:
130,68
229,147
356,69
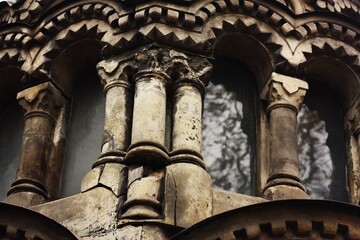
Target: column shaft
192,75
283,144
149,109
36,143
109,170
187,131
117,122
149,114
118,100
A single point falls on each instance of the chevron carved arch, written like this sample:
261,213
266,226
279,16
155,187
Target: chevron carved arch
84,37
14,48
11,62
333,62
14,55
262,38
94,22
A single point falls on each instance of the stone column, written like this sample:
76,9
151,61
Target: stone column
109,170
118,92
149,115
41,105
192,75
147,155
186,177
285,95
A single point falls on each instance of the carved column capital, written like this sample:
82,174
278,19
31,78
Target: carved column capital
113,72
284,91
157,62
191,70
43,99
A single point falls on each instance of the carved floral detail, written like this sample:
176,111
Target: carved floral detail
177,66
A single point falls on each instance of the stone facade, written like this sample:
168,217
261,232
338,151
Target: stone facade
154,60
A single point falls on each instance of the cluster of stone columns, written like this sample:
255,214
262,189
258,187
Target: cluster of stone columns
285,96
159,72
138,94
136,161
41,159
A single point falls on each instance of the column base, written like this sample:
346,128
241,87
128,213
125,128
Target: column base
147,153
187,156
25,199
144,198
110,157
284,188
144,230
28,186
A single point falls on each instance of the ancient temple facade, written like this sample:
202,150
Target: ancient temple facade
181,119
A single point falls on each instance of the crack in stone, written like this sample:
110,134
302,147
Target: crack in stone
175,218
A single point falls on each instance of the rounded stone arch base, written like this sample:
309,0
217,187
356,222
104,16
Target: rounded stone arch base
21,223
286,219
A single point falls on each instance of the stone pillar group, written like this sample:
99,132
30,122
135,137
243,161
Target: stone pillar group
164,76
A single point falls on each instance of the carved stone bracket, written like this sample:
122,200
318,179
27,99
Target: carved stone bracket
41,105
285,95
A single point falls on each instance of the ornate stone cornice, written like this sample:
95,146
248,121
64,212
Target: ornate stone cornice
11,58
193,27
284,91
350,8
190,19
